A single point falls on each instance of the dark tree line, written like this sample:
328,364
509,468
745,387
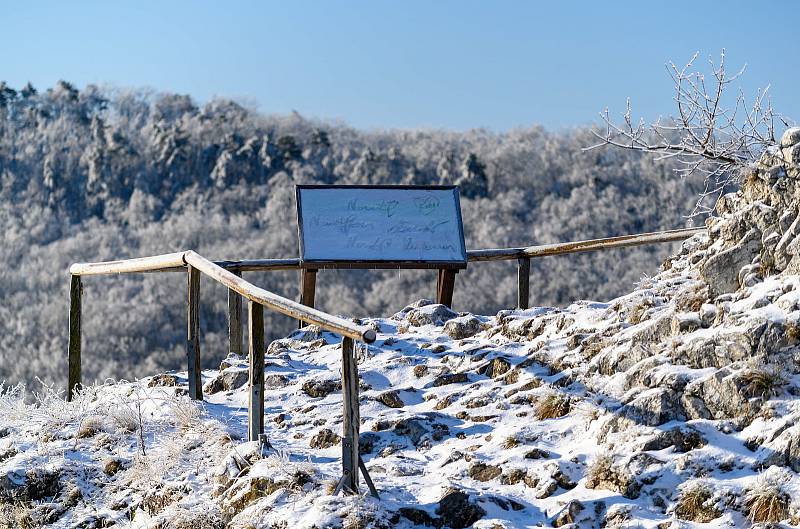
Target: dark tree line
99,174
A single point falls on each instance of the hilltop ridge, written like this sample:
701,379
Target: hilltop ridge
675,405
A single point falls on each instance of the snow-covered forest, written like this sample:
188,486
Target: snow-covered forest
100,173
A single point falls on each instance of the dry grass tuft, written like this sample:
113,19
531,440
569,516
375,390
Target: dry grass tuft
768,501
329,485
511,442
16,515
762,382
552,406
696,504
90,426
792,330
691,298
599,468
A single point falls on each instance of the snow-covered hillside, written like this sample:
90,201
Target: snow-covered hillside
676,405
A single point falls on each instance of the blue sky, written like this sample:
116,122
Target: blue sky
381,64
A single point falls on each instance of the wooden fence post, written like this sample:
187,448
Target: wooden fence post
352,419
193,335
255,410
523,282
308,288
235,319
74,348
445,286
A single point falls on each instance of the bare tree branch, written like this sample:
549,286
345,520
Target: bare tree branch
706,136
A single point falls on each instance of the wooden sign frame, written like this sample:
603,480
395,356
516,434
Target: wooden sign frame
381,263
446,269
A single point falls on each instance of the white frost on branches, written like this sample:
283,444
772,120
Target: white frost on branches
710,135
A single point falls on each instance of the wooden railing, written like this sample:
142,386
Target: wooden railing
229,274
524,255
258,298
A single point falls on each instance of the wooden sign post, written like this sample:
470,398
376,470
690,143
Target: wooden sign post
380,227
376,227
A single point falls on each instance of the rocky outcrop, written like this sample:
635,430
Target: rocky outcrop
227,380
462,327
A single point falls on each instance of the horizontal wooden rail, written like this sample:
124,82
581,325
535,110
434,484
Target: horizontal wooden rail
174,262
156,263
545,250
279,303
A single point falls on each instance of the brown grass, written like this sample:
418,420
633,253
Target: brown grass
552,406
767,503
792,330
695,504
762,382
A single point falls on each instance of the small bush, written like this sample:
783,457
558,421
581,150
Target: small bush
695,504
511,442
552,406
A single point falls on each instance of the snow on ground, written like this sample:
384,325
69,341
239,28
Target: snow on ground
599,415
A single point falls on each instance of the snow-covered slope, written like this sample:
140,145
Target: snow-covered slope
674,406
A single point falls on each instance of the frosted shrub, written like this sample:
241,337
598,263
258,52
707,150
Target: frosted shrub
768,501
185,412
12,403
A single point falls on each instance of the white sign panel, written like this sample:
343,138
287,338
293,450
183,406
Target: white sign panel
380,223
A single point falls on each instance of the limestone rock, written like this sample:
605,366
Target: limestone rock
418,516
655,407
367,442
569,514
790,137
391,399
496,368
718,396
450,378
420,430
163,380
537,453
325,438
721,270
421,370
457,512
462,327
321,388
683,439
436,314
608,477
483,472
229,379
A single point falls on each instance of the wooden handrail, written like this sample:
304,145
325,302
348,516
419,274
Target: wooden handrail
279,303
545,250
174,262
179,260
155,263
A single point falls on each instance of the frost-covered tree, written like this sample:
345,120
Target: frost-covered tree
99,174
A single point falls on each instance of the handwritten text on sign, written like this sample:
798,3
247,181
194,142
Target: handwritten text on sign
351,223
